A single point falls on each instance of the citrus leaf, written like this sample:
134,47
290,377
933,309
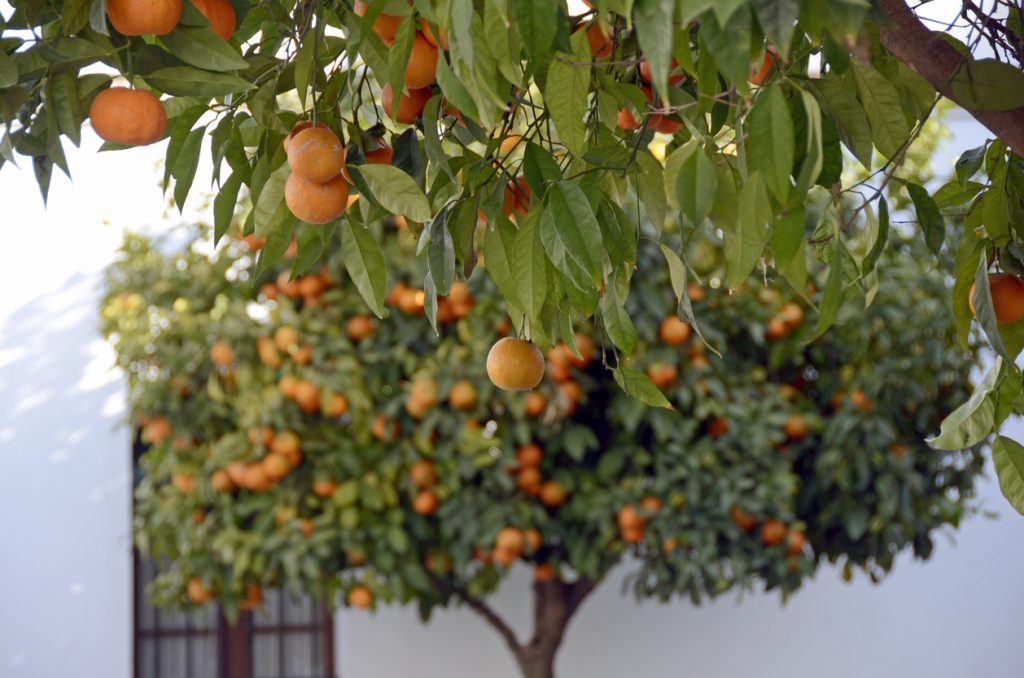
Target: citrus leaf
638,385
744,245
270,199
696,184
224,205
884,108
777,19
498,246
529,266
202,48
770,147
565,93
928,217
569,221
365,264
972,422
653,19
441,254
188,81
988,85
396,191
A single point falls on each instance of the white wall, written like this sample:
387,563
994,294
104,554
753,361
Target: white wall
64,497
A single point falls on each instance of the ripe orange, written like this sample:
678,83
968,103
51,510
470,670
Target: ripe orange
515,364
543,572
516,198
287,286
673,78
285,337
422,66
256,479
662,374
509,144
288,445
410,105
791,314
510,539
324,488
535,404
128,116
275,466
156,431
144,17
503,557
309,285
668,125
360,327
184,482
552,494
529,455
673,331
220,14
718,427
316,203
236,472
286,385
197,592
384,429
529,481
337,405
360,597
795,427
532,538
425,503
307,396
296,128
1007,297
629,518
221,354
601,44
695,292
316,154
253,592
221,481
423,473
651,504
462,395
861,401
759,74
385,25
422,396
586,348
571,391
267,352
435,36
795,540
743,520
411,301
776,328
303,356
382,155
632,535
773,532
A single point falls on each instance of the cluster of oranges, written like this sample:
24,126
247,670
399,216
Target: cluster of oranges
424,476
531,482
773,532
785,321
316,191
510,544
633,522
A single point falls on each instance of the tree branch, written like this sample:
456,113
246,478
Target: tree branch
491,617
937,62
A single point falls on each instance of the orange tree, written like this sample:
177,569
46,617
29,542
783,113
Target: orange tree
297,441
536,116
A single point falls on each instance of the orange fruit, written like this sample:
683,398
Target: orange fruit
267,352
382,155
337,405
423,473
632,535
324,488
184,482
861,401
384,429
253,592
571,392
510,539
462,395
515,364
256,479
410,105
287,385
156,431
552,494
309,285
236,473
673,331
221,481
601,43
275,466
285,337
650,504
670,545
662,374
586,348
425,503
133,117
303,356
718,427
287,286
503,557
535,404
509,144
288,445
668,126
385,25
316,154
516,198
529,481
773,532
695,292
743,520
316,203
360,597
795,540
529,456
221,354
360,327
144,17
673,78
220,14
543,572
197,592
776,328
629,518
759,73
532,538
795,427
898,450
296,128
307,396
791,314
435,36
422,66
1007,297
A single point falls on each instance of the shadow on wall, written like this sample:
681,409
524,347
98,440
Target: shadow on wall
64,492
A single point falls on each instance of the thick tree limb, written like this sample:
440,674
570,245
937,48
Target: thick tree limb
492,618
937,61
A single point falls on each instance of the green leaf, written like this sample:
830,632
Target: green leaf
777,19
968,251
396,191
98,17
972,422
814,155
883,237
995,208
536,23
188,81
181,127
696,183
430,300
789,233
969,163
988,85
884,108
832,298
529,266
650,187
1008,458
770,148
62,95
638,385
654,26
539,168
8,71
224,205
365,264
74,16
928,217
840,104
441,255
498,247
269,201
743,246
565,93
571,224
617,322
984,310
184,170
202,48
311,243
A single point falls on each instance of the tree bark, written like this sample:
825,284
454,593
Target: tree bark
937,61
554,603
